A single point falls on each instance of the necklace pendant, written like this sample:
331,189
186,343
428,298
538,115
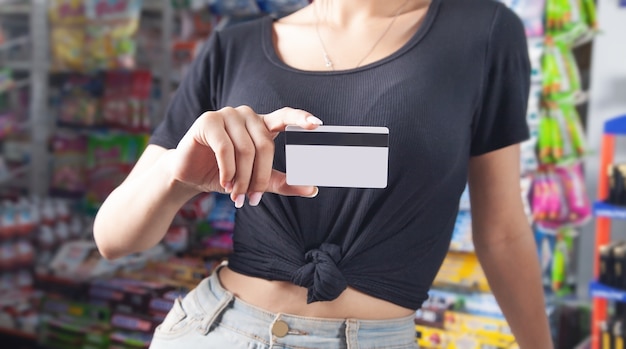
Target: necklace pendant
329,63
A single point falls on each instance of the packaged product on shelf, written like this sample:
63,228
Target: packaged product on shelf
72,324
27,217
467,332
6,80
68,165
136,322
461,240
130,340
177,238
570,19
432,312
556,255
617,184
79,261
222,216
67,21
80,100
8,124
462,270
127,294
199,207
560,197
111,29
125,100
110,158
432,338
16,151
18,310
90,35
141,90
561,77
613,264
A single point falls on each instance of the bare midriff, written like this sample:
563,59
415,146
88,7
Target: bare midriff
287,298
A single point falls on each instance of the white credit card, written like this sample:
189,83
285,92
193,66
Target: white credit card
337,156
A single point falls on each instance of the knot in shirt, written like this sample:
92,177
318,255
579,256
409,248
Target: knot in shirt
320,274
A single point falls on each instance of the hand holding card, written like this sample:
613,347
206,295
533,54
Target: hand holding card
337,156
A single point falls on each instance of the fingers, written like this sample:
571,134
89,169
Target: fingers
278,185
262,167
281,118
244,150
235,125
213,134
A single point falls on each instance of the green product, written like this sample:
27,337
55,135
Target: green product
575,129
544,142
567,148
590,13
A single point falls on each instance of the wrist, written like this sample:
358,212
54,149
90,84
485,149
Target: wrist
176,191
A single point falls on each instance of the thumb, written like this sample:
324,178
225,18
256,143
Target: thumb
278,185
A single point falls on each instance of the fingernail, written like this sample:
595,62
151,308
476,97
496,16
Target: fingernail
254,199
240,200
228,187
316,191
313,120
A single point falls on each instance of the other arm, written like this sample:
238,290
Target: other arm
505,245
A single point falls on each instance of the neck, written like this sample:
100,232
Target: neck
344,13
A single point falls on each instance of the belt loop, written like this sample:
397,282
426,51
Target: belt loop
205,325
352,329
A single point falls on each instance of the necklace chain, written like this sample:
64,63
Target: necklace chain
328,62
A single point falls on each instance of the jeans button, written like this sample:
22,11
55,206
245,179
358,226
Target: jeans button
280,328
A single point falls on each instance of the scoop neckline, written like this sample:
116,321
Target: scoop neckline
271,54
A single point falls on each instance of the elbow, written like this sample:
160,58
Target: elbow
105,243
108,253
106,249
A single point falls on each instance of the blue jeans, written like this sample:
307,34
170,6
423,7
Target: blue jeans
211,317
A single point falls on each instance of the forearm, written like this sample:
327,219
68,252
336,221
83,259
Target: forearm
512,269
137,214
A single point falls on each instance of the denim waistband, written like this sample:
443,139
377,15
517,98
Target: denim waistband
249,320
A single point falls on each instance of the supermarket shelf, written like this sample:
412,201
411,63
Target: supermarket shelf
616,127
14,174
602,209
17,42
153,5
8,7
21,7
16,333
18,65
598,290
15,85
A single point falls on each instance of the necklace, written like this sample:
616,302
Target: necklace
328,62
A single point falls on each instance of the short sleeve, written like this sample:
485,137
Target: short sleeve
195,95
500,118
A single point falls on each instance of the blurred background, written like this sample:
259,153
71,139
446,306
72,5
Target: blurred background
83,83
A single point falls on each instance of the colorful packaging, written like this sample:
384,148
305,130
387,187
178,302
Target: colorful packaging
90,35
111,27
68,167
67,35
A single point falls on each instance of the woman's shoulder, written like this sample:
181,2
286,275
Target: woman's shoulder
478,11
238,27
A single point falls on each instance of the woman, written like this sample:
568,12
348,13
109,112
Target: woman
342,267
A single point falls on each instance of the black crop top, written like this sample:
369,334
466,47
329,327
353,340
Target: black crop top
457,89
